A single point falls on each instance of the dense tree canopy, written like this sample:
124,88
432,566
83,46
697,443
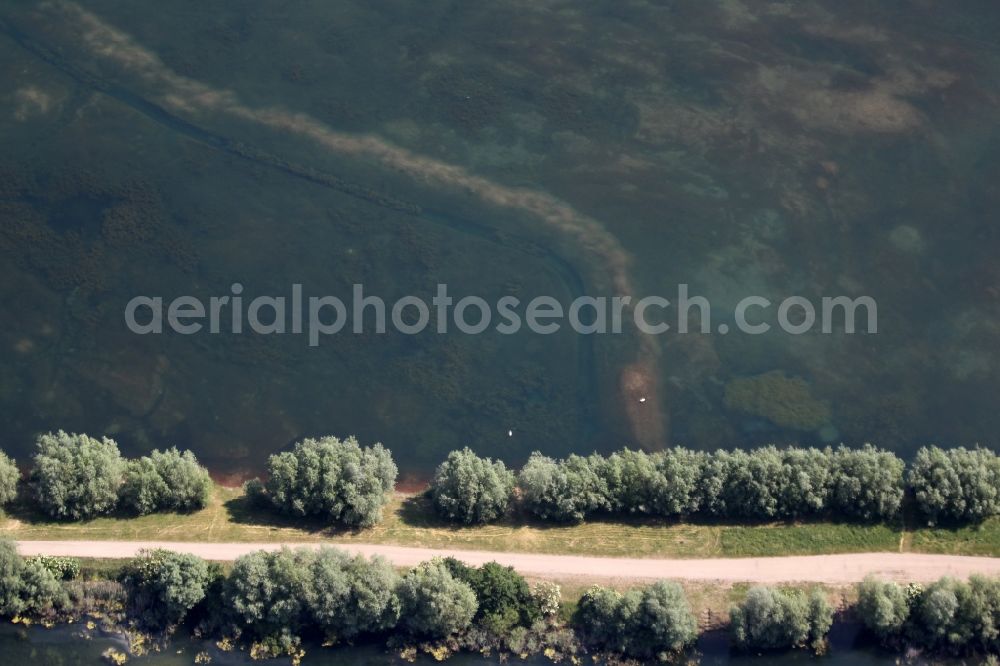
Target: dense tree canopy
348,596
867,483
27,586
164,586
504,597
956,485
268,592
336,480
565,490
9,478
469,489
435,604
642,623
883,607
773,618
165,481
76,476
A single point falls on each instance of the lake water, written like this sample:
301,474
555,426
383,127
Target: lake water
544,148
63,646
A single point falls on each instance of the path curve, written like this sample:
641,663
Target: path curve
832,569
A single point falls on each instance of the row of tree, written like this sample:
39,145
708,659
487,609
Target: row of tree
271,598
948,616
866,484
342,482
76,477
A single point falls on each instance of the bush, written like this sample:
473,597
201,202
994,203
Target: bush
27,587
565,491
10,475
867,483
655,622
165,481
331,479
434,603
883,607
349,596
76,476
269,592
958,485
772,618
164,586
503,596
663,623
469,489
63,568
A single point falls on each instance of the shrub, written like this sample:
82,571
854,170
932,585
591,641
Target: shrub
772,618
548,598
957,485
268,592
663,623
164,586
654,622
503,596
165,481
883,607
470,489
565,491
63,568
349,596
867,483
331,479
9,478
434,603
76,476
27,587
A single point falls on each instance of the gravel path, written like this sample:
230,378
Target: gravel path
834,569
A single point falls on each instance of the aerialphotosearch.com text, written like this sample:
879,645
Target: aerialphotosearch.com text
320,316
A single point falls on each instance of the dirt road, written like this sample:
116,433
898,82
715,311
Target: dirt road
834,569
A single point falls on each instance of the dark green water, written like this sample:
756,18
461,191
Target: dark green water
830,149
63,646
815,149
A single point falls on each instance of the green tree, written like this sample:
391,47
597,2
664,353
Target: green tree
27,587
804,485
663,623
653,622
680,470
76,476
349,596
268,592
603,619
504,598
867,483
772,618
9,478
435,604
164,586
566,490
957,485
165,481
336,480
883,607
469,489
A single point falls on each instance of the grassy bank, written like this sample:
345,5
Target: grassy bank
410,521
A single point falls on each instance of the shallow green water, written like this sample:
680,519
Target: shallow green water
815,149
